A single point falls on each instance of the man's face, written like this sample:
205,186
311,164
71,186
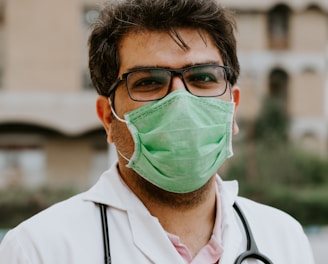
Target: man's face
157,49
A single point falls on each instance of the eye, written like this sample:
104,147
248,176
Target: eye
202,77
203,81
147,84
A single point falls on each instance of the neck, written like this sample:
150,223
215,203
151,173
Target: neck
190,216
192,224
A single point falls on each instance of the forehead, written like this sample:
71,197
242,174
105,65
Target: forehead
159,49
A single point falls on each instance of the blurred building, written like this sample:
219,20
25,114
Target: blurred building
283,50
49,132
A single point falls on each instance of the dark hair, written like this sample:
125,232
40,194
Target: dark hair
117,18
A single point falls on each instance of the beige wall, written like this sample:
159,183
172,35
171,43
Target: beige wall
251,31
250,103
41,50
308,31
306,95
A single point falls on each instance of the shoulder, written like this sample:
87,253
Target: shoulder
267,217
64,212
61,227
276,232
73,214
250,206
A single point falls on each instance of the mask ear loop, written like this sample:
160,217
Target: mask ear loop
120,119
114,113
122,155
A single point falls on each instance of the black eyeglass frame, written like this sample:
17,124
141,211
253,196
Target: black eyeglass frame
174,72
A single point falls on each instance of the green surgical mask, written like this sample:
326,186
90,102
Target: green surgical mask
181,140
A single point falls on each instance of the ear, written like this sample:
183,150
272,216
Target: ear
104,113
236,97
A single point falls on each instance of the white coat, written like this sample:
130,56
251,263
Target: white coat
70,232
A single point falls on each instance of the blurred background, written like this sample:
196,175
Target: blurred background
53,146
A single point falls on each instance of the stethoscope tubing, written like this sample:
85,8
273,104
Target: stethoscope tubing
251,247
104,221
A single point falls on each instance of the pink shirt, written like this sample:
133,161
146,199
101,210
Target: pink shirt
212,251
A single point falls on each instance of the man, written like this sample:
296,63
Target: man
166,73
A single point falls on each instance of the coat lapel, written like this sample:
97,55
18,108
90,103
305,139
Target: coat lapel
232,237
152,240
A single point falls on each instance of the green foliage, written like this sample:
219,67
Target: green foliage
273,121
18,204
283,177
272,171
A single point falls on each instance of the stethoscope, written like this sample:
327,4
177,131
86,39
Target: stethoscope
251,252
251,247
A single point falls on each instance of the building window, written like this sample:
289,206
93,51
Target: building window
87,83
278,85
1,77
278,89
2,11
89,16
2,51
278,27
22,161
314,7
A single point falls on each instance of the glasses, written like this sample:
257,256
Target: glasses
150,84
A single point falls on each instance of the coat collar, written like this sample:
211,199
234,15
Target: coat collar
112,191
232,236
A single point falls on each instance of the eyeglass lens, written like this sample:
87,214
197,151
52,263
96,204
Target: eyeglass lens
154,84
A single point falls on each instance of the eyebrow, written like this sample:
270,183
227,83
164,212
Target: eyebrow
139,67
